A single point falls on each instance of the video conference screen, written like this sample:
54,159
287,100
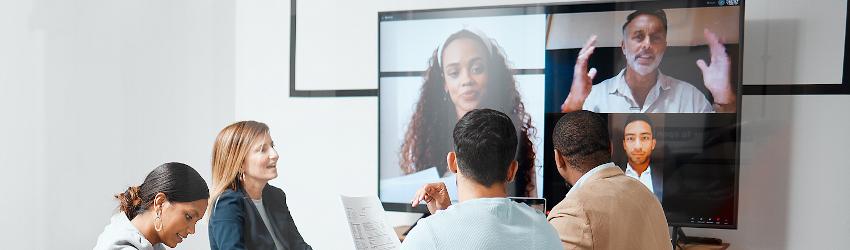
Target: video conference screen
665,74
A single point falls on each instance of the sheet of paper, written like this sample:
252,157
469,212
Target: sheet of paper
401,189
368,223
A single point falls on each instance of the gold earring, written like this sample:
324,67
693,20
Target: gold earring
159,228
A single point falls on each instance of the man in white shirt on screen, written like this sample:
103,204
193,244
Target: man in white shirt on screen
639,142
641,87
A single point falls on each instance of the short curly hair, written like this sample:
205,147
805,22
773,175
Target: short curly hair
582,139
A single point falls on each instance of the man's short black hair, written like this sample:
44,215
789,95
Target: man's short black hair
659,13
582,139
485,145
639,117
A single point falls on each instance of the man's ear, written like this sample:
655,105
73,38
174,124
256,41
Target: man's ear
512,170
559,160
451,159
623,44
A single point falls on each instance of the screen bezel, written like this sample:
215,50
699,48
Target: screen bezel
556,8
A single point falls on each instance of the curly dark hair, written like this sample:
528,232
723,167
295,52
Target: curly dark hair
428,137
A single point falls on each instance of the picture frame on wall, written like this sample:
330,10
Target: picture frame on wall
312,65
791,50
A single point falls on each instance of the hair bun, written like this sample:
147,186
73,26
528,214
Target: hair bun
129,201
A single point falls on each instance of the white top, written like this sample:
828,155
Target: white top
485,223
120,234
669,95
262,211
645,177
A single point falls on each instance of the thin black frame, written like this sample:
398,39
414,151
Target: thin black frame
294,92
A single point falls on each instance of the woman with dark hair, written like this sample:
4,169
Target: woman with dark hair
247,212
467,72
161,211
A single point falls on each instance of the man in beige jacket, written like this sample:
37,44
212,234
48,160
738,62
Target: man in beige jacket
604,209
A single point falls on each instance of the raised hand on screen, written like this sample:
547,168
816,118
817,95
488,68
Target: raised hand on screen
582,78
716,74
435,195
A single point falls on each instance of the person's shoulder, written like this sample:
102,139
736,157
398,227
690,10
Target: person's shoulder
616,189
273,193
538,219
570,204
120,235
270,187
693,99
446,215
450,216
526,210
229,202
608,185
568,216
679,85
598,191
604,86
421,236
230,195
118,244
598,93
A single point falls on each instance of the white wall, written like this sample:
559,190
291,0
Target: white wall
793,188
95,93
22,148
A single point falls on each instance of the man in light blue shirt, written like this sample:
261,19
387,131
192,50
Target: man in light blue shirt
485,143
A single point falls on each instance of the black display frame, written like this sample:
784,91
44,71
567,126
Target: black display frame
555,8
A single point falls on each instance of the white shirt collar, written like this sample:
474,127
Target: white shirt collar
645,178
590,173
622,87
630,171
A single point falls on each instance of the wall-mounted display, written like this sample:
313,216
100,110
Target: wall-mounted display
665,74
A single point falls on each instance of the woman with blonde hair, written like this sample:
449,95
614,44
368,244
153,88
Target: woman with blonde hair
247,212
